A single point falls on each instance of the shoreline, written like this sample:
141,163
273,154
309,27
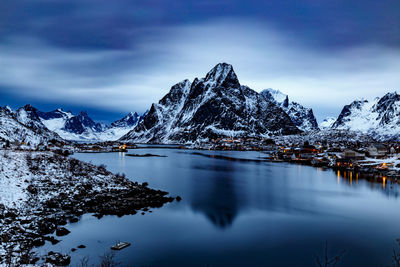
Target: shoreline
49,190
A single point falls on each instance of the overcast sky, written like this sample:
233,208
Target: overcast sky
112,57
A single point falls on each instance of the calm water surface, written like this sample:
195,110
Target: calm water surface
238,213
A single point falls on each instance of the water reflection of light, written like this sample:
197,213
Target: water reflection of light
383,182
121,159
338,177
351,178
299,172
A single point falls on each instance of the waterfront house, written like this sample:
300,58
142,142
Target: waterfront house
353,154
377,150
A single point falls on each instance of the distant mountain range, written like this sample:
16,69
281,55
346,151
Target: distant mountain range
73,127
204,109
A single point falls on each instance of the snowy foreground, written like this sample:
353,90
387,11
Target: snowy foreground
40,191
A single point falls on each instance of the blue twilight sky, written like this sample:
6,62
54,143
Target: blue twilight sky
112,57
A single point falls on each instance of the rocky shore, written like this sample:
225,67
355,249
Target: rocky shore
40,192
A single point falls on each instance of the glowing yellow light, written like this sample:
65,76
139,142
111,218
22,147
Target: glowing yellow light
351,179
383,182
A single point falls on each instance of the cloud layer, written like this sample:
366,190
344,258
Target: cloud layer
118,59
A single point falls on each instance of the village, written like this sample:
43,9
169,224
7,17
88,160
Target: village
368,158
380,159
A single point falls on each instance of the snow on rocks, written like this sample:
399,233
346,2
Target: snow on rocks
208,108
41,191
13,131
327,123
379,118
301,116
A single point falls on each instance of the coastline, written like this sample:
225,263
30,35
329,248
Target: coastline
43,191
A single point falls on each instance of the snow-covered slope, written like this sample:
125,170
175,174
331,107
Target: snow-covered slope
379,118
54,120
121,127
301,116
13,131
211,107
327,123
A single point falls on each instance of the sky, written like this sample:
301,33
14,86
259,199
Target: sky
113,57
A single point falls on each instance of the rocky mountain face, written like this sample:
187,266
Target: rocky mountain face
379,118
130,120
82,123
13,130
28,116
302,117
214,106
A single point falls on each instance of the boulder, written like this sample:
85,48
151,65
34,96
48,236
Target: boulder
61,231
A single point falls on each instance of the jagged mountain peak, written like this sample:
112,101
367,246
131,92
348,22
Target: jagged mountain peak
301,116
177,91
222,75
83,114
28,107
29,132
379,118
386,101
8,109
131,119
81,124
28,115
211,107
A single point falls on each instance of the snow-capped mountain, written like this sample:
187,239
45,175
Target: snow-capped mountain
55,119
211,107
82,124
327,123
132,119
28,116
302,117
82,128
32,134
379,118
121,127
73,127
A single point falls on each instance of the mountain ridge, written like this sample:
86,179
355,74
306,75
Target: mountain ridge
211,107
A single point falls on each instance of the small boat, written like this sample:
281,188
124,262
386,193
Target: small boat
120,245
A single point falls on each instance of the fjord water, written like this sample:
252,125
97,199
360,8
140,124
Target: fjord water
241,213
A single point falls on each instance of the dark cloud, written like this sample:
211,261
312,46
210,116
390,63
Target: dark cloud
122,55
89,24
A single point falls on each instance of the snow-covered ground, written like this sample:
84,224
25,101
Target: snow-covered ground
39,191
